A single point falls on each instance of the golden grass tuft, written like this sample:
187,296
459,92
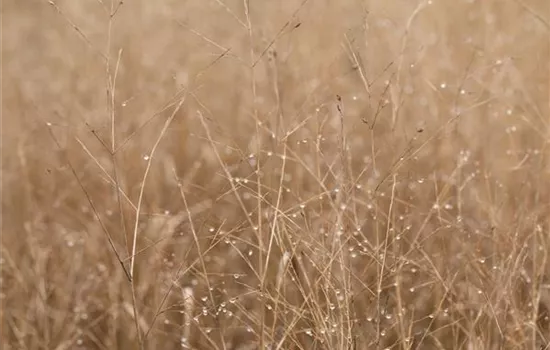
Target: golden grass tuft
301,174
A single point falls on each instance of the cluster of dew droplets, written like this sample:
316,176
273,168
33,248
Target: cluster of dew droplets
80,316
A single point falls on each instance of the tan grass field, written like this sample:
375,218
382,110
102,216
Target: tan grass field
298,174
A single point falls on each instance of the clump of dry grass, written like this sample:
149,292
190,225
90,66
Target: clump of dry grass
284,175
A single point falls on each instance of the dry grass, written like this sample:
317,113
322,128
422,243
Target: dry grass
275,174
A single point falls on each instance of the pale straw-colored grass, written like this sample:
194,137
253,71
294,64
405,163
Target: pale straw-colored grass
284,175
